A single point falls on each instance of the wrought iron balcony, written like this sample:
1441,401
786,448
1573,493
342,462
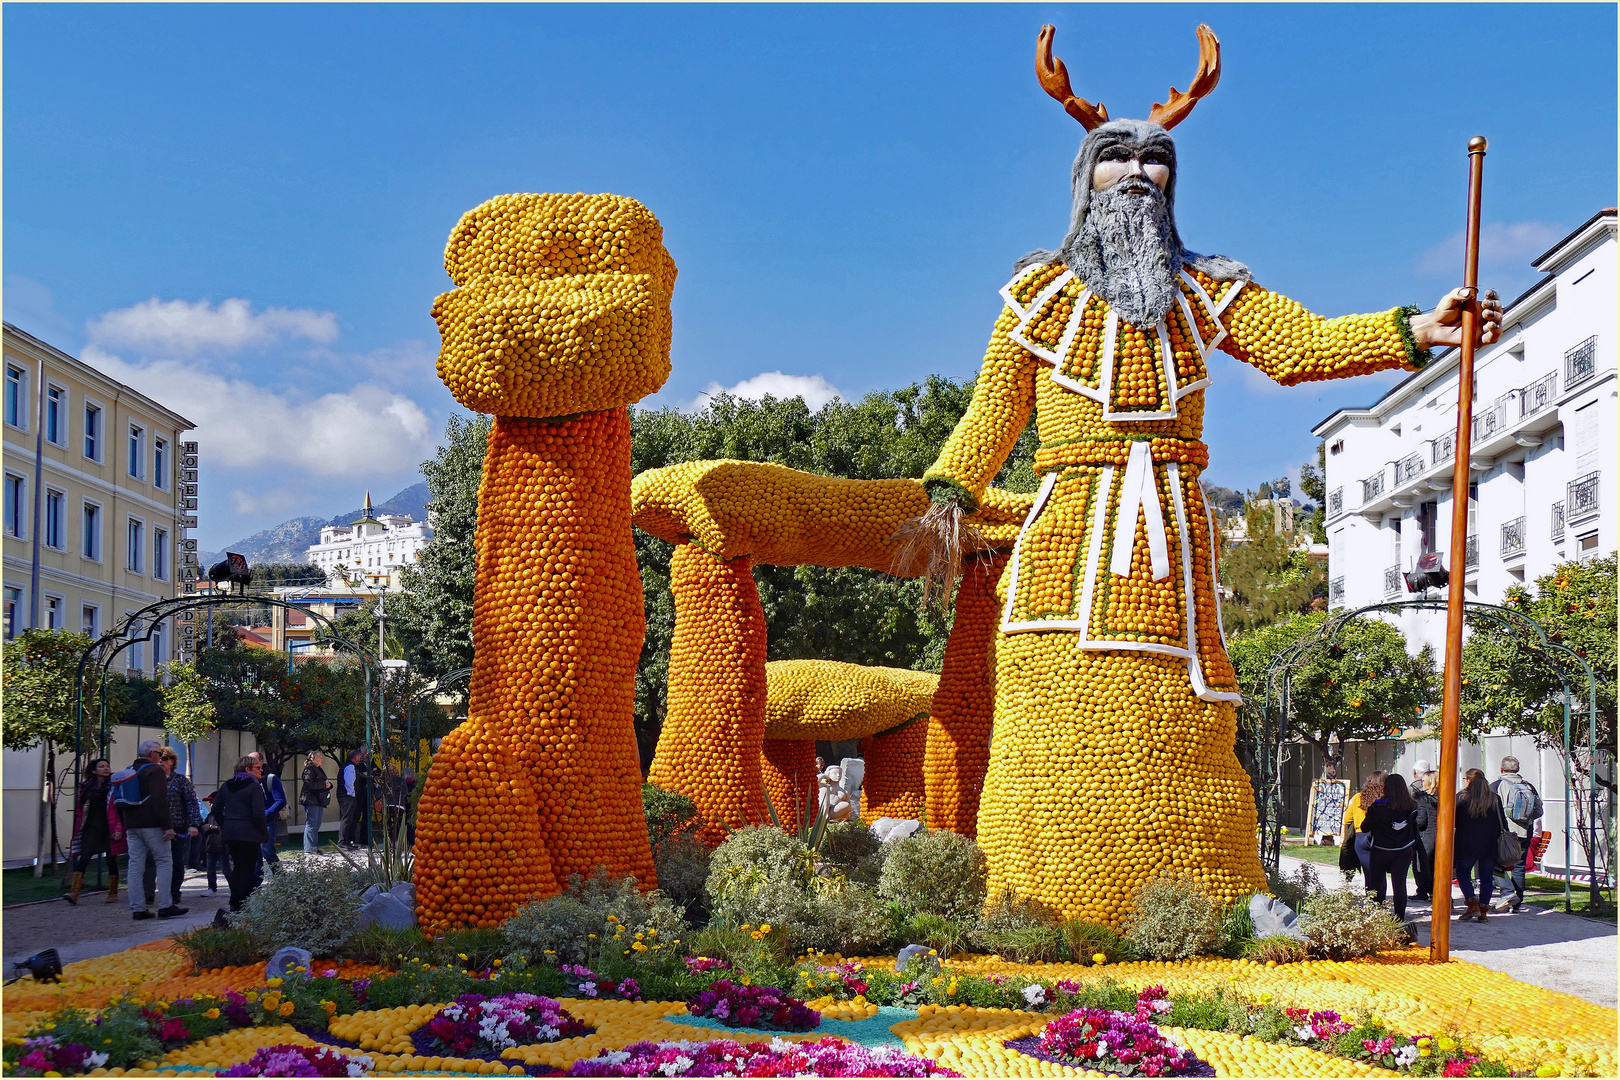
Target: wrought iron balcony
1580,363
1489,422
1445,448
1513,538
1408,468
1582,498
1335,502
1471,552
1372,487
1392,580
1538,395
1558,520
1336,592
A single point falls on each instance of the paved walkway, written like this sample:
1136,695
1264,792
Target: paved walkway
96,928
1567,953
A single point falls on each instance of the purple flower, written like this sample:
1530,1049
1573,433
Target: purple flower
721,1057
753,1006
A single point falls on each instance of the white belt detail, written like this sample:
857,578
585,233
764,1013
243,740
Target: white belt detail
1139,489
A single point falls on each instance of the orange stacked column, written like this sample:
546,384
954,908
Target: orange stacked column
788,767
479,852
558,623
714,723
893,786
958,742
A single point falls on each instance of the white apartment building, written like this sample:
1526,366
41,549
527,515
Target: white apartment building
370,547
1542,465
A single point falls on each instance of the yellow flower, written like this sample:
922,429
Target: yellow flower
1447,1043
745,926
1265,999
252,995
590,935
933,952
639,947
273,983
212,1014
745,981
937,980
652,933
756,935
764,928
1099,958
461,956
613,918
286,1008
640,936
497,962
1425,1052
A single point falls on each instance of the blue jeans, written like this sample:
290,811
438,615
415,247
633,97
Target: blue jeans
312,827
1466,868
149,844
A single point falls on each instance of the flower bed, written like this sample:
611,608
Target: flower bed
479,1026
753,1007
721,1057
290,1060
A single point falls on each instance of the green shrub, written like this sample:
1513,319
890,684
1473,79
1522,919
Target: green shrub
1029,944
1345,925
211,947
754,859
936,872
682,862
1294,890
1174,918
1279,947
1105,994
473,949
388,946
849,920
561,928
853,849
1237,927
310,904
946,936
668,813
1086,939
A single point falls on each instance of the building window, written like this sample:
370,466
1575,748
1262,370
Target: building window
92,432
53,613
160,646
1558,520
133,654
90,620
137,450
16,396
1427,516
92,531
1586,546
160,554
1581,497
136,546
55,520
13,603
15,514
55,427
1580,363
160,463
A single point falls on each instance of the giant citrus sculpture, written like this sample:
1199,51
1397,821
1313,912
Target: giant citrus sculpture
559,320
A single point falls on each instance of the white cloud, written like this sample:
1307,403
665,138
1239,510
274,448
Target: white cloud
169,327
815,390
1506,247
363,431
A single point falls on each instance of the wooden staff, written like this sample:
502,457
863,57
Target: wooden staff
1451,702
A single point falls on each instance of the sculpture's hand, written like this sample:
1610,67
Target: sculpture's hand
1443,325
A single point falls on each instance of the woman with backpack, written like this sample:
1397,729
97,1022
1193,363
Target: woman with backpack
97,829
1479,822
1391,828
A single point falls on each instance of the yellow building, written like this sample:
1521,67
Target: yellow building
109,500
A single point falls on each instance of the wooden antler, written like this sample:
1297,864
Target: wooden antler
1055,81
1208,74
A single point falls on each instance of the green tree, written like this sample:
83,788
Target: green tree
1270,574
188,712
1361,685
276,575
314,706
1313,484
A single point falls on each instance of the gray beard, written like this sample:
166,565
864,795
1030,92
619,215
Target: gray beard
1126,252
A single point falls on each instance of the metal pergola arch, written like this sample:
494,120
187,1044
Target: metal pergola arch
1274,732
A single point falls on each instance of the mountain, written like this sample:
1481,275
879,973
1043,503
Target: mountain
289,541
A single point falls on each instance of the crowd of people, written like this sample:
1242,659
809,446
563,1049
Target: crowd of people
1390,829
151,813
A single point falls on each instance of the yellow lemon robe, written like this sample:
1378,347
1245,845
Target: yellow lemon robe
1112,758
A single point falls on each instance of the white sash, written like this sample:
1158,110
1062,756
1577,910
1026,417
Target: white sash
1140,490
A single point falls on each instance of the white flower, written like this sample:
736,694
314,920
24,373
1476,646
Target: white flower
1035,994
1304,1033
1405,1056
680,1064
95,1061
616,1057
1160,1005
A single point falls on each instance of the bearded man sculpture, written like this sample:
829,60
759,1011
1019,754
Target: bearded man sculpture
1112,759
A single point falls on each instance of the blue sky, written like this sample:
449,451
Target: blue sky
242,209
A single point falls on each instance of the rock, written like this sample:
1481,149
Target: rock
919,953
888,829
282,963
389,911
405,893
371,893
1272,916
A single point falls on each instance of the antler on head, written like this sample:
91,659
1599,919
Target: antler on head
1055,81
1208,74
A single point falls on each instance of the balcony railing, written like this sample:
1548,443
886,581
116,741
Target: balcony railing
1471,552
1372,487
1538,395
1513,538
1558,520
1335,502
1408,468
1445,448
1580,363
1582,498
1336,592
1392,580
1489,422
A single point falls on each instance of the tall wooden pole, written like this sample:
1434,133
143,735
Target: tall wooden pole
1451,703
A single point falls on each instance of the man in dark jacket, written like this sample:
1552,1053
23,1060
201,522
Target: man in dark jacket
149,832
239,804
275,808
